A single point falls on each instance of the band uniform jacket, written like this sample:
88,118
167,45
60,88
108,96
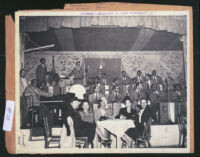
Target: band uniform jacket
115,97
135,95
41,72
139,79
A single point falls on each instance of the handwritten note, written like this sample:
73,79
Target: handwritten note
8,117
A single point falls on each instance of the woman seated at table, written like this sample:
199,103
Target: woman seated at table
81,128
101,110
141,120
86,114
127,112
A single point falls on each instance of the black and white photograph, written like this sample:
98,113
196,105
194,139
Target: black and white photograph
102,82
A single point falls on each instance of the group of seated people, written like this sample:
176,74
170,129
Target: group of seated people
85,119
135,95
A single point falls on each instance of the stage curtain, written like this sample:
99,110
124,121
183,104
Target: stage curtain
175,24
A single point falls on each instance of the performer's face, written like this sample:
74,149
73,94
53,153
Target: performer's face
43,61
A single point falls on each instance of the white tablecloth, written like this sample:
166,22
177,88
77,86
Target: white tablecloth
117,127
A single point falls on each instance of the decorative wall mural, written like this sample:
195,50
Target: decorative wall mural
166,63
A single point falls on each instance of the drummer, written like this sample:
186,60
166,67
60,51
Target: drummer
78,74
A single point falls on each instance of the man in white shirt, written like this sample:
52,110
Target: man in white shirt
23,81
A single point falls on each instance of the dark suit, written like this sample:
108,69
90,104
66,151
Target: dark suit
41,72
135,95
125,81
115,97
141,79
134,133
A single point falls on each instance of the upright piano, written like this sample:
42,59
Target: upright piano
54,105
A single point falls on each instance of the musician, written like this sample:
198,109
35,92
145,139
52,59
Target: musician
115,96
56,88
156,79
41,72
23,108
137,93
94,97
104,81
139,77
127,112
147,84
178,95
154,97
86,114
32,90
78,74
124,79
23,81
43,86
141,124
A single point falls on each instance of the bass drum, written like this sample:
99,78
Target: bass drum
78,90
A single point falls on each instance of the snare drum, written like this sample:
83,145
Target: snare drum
78,90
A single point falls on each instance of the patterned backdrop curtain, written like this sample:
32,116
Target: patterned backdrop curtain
169,63
175,24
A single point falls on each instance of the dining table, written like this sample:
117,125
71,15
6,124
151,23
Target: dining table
117,128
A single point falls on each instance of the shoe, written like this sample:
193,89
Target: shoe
149,144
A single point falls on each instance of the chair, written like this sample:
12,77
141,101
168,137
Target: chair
81,142
48,137
143,141
72,141
182,124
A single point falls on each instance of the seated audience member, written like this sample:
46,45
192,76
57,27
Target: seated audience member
115,96
81,128
127,112
43,86
138,93
141,121
139,77
94,97
32,90
178,95
156,79
86,114
155,97
101,110
56,88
